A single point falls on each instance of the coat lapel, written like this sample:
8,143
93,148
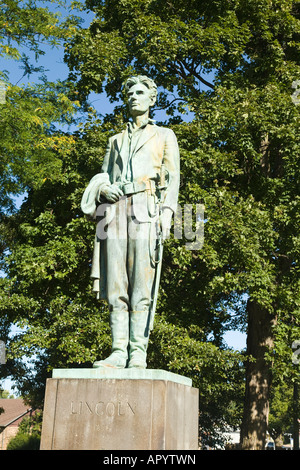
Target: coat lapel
122,143
120,139
147,134
122,149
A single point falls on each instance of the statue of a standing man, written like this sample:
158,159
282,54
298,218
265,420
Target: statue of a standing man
137,190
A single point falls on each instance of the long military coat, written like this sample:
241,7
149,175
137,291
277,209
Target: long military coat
156,145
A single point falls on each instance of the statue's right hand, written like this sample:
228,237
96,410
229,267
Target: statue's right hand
112,193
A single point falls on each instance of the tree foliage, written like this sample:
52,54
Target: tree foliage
28,435
32,142
226,72
240,154
32,25
31,115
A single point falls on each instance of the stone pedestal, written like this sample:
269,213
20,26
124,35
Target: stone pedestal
94,409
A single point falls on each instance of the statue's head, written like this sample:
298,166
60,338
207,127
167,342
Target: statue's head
141,92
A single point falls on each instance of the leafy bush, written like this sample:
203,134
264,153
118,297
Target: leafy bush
24,441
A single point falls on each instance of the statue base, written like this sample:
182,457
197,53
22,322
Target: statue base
119,409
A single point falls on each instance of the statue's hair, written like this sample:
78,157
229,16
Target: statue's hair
148,82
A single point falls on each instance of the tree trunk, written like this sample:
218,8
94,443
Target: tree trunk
258,378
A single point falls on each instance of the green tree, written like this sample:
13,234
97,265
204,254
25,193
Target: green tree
281,414
5,394
31,117
47,289
26,24
240,157
31,114
28,435
50,294
232,65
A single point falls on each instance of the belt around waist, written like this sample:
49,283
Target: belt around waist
134,187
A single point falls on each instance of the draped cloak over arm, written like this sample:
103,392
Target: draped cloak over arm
89,208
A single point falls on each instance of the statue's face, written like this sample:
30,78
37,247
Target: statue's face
139,99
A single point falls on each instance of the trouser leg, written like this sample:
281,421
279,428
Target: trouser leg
141,272
115,252
130,275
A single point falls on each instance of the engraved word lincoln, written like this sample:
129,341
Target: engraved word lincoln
101,408
137,189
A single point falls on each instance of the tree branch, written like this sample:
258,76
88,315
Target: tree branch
169,104
193,71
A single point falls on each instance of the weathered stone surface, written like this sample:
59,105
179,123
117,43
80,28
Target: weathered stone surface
110,373
119,414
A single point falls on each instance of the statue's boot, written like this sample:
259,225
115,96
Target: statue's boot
138,339
119,324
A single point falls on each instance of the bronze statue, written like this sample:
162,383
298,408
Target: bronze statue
133,199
